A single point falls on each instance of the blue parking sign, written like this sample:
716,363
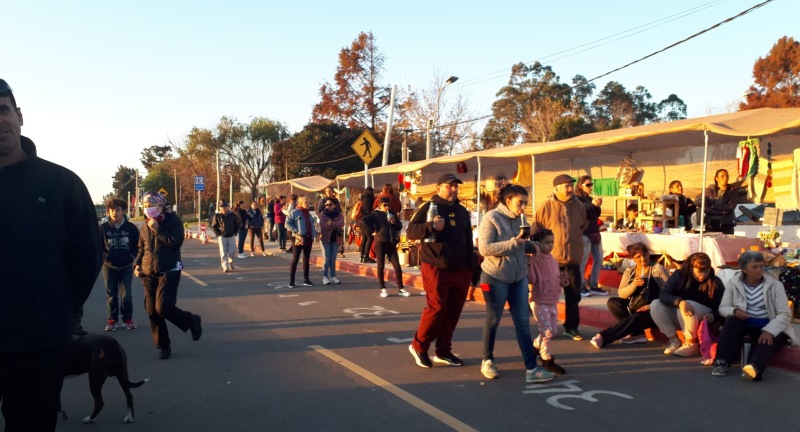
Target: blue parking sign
199,183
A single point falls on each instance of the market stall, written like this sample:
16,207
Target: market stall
722,249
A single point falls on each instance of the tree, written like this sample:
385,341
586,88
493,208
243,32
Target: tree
777,78
450,132
356,97
124,181
247,147
159,177
672,108
319,149
153,155
531,91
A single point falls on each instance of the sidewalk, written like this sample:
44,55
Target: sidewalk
594,312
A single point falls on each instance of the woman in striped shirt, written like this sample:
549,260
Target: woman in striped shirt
754,305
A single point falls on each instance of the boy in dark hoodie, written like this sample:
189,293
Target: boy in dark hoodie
120,247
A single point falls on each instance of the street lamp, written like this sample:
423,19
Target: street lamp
435,118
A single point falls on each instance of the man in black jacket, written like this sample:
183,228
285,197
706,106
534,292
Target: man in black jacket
120,247
48,270
226,226
446,263
385,226
159,265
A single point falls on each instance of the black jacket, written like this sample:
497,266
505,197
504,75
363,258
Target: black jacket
160,251
452,249
378,222
120,246
50,264
226,225
366,204
592,213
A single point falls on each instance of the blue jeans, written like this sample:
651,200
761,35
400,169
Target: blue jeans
516,293
118,284
242,236
596,250
329,250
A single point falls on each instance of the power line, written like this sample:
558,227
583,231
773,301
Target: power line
725,21
596,43
739,15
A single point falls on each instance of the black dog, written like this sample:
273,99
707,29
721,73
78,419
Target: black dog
102,357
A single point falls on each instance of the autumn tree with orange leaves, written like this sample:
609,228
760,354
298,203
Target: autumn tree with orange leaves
777,78
356,98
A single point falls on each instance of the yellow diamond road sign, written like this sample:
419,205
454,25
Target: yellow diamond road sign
366,147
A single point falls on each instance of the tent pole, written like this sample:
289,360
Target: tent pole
533,184
478,191
703,194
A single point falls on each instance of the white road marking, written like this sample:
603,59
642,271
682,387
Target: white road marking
307,303
288,295
196,280
412,400
398,340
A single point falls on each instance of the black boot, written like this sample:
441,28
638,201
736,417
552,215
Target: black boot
553,367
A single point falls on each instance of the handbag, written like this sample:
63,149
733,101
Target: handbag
641,297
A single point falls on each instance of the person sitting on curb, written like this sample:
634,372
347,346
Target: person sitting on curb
754,305
639,286
690,295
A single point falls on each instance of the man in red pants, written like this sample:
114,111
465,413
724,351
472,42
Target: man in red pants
446,263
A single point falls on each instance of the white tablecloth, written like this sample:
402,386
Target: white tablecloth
721,249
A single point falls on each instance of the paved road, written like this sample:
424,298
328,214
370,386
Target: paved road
335,359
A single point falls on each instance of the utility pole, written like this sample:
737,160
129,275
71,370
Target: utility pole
404,151
177,196
136,195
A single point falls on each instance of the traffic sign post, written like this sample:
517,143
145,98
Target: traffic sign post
366,147
199,186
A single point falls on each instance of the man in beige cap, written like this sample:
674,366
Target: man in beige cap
566,217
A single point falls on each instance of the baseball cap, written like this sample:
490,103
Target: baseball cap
225,204
563,178
386,200
447,179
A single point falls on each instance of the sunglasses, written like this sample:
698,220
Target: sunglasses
588,184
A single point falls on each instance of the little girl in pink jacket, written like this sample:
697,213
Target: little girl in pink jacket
545,282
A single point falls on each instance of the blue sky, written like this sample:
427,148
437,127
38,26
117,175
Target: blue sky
99,81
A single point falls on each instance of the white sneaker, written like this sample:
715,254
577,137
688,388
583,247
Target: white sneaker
403,293
252,254
264,253
325,280
690,349
489,370
597,341
384,293
242,255
335,281
672,346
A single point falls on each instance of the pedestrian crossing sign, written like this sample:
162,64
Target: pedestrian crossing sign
366,147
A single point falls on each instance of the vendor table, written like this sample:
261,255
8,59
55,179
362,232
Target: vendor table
722,249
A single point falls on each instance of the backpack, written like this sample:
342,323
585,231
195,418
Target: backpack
356,212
